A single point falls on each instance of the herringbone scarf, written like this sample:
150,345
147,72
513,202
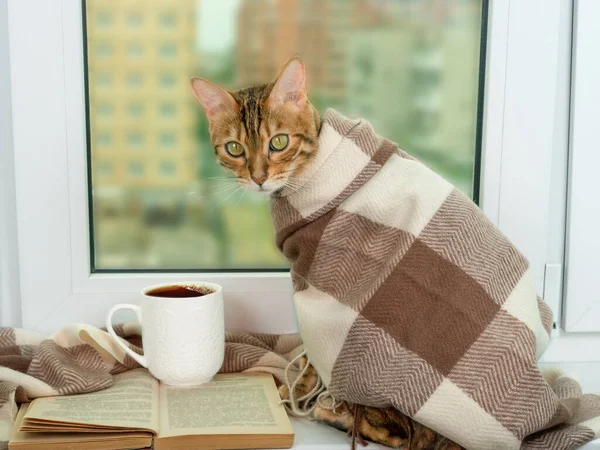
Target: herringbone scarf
81,358
408,296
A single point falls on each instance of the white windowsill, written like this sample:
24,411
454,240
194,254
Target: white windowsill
316,436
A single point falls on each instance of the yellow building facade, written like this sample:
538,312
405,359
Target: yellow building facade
141,55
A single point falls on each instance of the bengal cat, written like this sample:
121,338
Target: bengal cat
266,136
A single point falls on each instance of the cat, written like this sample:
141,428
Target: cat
267,136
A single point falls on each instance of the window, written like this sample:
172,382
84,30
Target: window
167,51
134,80
135,50
135,169
527,82
168,20
168,140
135,139
103,80
167,80
104,50
105,168
135,110
236,231
167,110
105,110
168,169
104,140
104,19
582,312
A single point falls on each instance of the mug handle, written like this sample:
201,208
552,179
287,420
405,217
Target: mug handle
141,359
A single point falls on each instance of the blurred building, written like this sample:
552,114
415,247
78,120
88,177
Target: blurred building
270,32
140,55
417,79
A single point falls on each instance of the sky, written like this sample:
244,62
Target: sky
216,24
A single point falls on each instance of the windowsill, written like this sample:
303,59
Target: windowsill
316,436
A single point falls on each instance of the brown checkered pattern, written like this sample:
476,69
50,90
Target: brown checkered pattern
408,296
81,358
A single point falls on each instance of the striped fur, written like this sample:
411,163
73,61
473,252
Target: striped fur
252,117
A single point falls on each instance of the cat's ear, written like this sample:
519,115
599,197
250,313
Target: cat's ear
212,97
290,85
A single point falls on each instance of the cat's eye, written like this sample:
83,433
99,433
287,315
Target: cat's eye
279,142
234,148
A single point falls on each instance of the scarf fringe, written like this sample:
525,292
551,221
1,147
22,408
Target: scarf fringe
305,405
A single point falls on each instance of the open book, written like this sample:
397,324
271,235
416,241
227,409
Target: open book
234,411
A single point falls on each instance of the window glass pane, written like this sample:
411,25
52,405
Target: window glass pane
411,67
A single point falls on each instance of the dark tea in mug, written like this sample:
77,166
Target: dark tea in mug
180,291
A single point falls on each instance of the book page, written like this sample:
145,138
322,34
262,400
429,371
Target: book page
61,441
132,402
230,404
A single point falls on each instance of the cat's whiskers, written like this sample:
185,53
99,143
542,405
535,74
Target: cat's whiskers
227,198
241,196
213,193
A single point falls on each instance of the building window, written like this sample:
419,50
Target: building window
104,50
134,80
104,80
105,109
167,140
135,50
167,80
135,139
104,19
167,51
167,168
168,20
135,169
104,140
135,110
105,168
167,110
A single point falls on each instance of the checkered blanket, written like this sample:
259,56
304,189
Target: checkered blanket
82,358
408,296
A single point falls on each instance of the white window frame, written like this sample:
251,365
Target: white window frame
582,310
525,123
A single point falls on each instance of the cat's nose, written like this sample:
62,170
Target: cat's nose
259,179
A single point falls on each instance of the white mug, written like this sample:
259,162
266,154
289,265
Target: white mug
183,337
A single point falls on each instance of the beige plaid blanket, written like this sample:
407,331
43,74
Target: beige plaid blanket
408,296
82,358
